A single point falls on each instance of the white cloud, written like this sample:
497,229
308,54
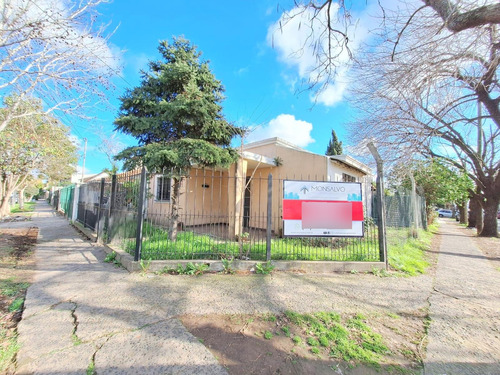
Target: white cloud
284,126
299,35
241,71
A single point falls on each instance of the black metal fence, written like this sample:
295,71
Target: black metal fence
213,215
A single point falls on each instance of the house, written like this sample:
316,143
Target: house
77,178
234,200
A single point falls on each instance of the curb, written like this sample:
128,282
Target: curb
303,266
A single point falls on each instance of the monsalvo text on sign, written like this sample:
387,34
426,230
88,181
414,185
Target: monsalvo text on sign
322,209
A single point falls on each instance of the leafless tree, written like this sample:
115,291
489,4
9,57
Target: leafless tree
419,92
54,50
331,27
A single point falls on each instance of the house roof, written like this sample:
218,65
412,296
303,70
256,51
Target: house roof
277,141
256,160
346,160
351,162
94,177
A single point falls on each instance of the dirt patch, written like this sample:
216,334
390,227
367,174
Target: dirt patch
17,264
264,344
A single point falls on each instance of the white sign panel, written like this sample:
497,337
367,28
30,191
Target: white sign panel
322,209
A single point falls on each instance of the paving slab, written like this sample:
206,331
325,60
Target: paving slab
464,335
79,314
82,312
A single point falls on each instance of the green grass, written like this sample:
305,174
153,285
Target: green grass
10,288
9,346
268,335
8,350
28,207
407,254
16,305
350,339
189,245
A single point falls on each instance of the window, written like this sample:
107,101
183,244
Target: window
162,188
348,178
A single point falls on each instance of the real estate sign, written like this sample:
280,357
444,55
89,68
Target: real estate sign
322,209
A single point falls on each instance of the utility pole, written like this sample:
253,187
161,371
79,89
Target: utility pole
84,156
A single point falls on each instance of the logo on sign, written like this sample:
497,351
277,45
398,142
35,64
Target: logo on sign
334,189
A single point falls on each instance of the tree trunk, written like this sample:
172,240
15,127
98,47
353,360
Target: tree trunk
474,207
174,208
21,198
464,217
461,210
490,225
4,207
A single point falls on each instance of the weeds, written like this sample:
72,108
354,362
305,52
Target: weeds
352,341
192,269
264,268
227,266
8,350
380,272
111,258
16,305
407,254
286,331
297,339
268,335
145,266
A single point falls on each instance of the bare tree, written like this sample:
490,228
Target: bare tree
53,50
431,65
332,28
419,92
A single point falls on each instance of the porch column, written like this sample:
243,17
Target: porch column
236,197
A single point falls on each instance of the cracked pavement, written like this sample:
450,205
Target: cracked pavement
82,314
80,317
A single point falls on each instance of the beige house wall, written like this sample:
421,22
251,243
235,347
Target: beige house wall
218,196
204,199
295,164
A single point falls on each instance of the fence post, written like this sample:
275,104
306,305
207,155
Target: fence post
111,207
99,208
382,240
269,215
140,215
76,198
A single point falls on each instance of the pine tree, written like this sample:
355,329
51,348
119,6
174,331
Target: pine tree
334,146
176,116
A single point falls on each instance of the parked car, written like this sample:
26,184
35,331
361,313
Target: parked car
457,216
445,213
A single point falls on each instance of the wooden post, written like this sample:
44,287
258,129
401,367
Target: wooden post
140,215
382,239
269,215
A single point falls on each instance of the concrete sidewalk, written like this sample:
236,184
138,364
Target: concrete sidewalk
81,313
78,315
464,335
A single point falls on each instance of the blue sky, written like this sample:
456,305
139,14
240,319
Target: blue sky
253,63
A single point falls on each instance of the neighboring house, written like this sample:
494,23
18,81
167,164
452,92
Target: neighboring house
77,178
237,197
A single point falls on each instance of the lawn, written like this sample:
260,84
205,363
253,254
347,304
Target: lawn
28,207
